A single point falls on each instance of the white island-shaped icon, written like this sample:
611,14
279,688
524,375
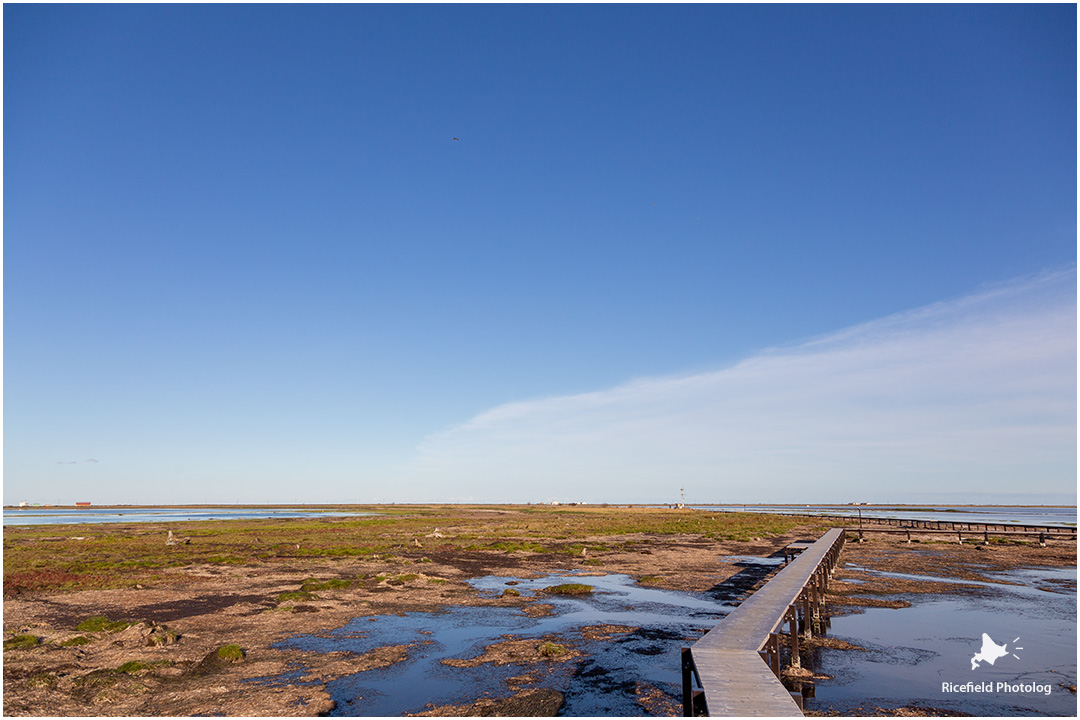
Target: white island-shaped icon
990,652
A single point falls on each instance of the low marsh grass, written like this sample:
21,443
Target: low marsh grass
551,649
43,680
296,595
514,546
77,640
131,667
570,589
100,623
86,686
216,660
230,653
36,561
312,585
22,642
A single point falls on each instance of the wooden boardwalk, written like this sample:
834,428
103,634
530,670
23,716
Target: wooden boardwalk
737,663
870,523
972,532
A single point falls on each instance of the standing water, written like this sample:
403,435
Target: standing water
607,680
934,654
71,516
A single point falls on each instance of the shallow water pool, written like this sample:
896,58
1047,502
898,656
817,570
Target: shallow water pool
605,682
923,654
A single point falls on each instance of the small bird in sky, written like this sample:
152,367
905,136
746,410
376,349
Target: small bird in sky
455,138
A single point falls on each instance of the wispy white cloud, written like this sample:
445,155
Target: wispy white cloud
971,395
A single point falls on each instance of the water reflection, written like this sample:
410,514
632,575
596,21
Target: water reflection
911,652
63,516
604,682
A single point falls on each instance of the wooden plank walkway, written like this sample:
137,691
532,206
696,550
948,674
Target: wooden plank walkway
1004,528
727,661
738,683
972,535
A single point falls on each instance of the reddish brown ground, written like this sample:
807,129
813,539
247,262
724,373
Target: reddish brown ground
210,606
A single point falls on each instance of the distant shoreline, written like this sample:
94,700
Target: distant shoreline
324,506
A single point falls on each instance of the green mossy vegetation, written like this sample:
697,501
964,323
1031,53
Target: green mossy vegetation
77,640
119,556
22,642
516,546
131,667
313,585
570,589
92,682
100,623
551,649
43,680
230,653
296,595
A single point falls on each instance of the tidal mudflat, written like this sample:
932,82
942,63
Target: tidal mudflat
916,643
319,616
608,646
130,514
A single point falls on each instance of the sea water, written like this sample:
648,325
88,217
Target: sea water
603,682
69,516
923,654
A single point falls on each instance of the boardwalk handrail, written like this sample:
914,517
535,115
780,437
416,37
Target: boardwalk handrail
925,524
737,663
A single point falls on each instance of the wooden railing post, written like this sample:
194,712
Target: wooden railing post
729,662
793,636
693,699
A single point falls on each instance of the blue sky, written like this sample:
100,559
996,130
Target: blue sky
732,248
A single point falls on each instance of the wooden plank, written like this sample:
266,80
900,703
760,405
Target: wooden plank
1066,534
747,627
738,683
734,678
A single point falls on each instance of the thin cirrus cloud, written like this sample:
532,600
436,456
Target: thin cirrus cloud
968,398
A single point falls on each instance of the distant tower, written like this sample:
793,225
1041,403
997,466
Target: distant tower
682,494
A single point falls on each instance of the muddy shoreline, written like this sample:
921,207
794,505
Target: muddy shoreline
167,662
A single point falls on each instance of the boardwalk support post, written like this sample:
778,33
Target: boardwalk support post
793,636
737,664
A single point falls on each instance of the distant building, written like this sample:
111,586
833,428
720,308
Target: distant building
82,504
